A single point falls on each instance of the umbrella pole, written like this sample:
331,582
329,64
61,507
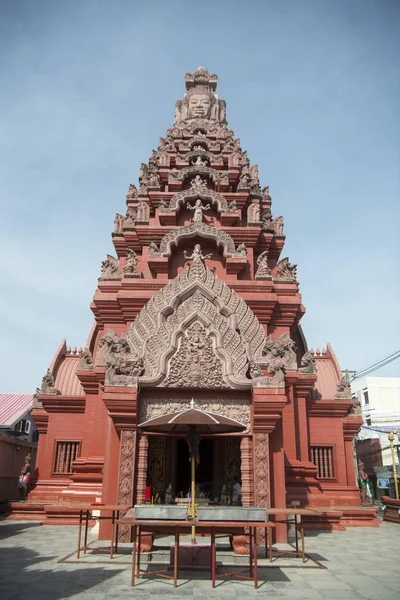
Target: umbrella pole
193,468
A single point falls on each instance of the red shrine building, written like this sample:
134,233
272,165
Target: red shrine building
198,302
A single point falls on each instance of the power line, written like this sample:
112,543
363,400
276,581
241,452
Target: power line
375,366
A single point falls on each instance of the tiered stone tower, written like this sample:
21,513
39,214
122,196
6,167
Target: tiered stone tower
198,302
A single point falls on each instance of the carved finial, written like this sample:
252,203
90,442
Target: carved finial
48,384
200,100
192,403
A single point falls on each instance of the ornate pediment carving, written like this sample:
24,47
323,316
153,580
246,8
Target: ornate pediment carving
197,295
198,169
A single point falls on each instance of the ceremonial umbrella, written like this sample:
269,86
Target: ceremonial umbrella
193,422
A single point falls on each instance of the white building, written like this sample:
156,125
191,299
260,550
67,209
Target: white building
380,404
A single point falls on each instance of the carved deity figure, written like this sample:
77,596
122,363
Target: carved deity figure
267,222
278,225
199,105
197,255
263,271
118,223
143,212
253,213
241,249
198,209
200,163
130,267
198,182
153,248
233,207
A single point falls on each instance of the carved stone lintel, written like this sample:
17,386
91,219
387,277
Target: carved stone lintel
308,364
237,409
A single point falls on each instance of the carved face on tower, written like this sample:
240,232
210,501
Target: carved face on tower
199,105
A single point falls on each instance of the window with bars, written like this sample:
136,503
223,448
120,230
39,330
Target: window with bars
322,457
66,453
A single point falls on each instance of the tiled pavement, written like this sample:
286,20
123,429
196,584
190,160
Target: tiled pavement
360,563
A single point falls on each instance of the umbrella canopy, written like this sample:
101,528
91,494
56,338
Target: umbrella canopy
184,420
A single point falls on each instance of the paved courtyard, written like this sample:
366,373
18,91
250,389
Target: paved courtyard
357,563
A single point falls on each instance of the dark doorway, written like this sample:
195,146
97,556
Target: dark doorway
205,470
182,467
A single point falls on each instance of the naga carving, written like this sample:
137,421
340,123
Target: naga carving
343,389
110,268
279,357
48,384
85,361
285,272
307,364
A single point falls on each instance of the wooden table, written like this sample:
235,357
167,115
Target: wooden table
226,528
85,509
179,527
158,526
298,526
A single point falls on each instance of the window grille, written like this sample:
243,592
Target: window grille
66,453
322,457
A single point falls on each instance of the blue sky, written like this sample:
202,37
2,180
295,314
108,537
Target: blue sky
88,87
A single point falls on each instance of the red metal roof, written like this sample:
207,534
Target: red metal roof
13,407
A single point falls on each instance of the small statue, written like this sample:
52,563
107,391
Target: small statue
118,223
198,209
130,267
307,364
153,248
197,255
198,182
85,361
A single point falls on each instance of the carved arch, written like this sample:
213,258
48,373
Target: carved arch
197,295
213,174
173,237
